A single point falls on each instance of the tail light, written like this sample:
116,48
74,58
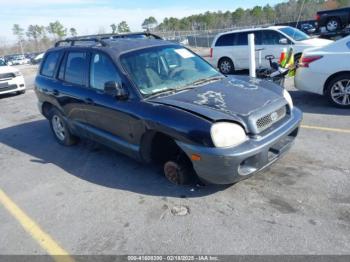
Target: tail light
211,52
305,61
317,17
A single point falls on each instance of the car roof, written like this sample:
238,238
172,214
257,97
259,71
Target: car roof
119,46
275,27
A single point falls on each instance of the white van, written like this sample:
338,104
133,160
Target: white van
229,51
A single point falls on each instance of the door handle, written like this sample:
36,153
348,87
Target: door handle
55,92
89,101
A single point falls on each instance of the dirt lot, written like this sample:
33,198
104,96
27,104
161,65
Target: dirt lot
91,200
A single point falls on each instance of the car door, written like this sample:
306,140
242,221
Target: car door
270,40
241,50
72,89
109,118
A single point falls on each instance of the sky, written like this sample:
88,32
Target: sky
90,17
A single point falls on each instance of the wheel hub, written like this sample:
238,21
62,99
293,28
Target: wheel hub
171,171
225,66
58,127
340,92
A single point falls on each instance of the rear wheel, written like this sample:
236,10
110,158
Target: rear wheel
60,128
226,66
333,24
338,91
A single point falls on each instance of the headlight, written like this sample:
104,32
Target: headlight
226,134
287,96
17,73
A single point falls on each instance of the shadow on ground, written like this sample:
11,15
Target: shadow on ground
95,163
8,95
316,104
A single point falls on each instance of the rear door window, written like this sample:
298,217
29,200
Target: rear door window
225,40
75,68
242,38
50,63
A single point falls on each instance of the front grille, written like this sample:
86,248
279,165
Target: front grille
271,118
10,87
7,75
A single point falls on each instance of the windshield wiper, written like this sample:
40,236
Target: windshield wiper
206,80
164,91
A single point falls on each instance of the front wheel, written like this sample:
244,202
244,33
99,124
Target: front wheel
226,66
60,128
338,91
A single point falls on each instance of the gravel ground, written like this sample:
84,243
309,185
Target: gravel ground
92,200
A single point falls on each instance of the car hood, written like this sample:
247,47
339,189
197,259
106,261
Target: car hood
233,98
7,69
316,42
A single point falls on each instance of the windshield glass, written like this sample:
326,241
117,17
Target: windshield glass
2,63
294,33
166,68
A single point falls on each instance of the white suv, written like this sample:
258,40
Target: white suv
11,80
229,51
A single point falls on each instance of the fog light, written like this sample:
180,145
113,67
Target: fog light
195,157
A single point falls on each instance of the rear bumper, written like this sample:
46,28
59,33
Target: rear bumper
229,165
307,80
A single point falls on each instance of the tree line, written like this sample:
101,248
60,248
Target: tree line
290,11
39,37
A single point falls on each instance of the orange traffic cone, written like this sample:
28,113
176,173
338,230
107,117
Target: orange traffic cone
283,55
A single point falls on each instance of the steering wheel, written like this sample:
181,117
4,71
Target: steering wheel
176,72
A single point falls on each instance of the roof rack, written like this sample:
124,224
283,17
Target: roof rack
73,41
98,39
115,36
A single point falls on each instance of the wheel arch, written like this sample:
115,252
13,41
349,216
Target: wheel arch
157,146
45,108
331,77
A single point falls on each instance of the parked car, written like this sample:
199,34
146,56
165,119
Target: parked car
11,80
17,60
308,28
229,51
326,71
157,101
37,59
333,20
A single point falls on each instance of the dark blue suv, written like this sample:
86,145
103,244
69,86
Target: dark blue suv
154,100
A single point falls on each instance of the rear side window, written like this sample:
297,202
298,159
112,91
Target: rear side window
225,40
49,65
75,69
242,38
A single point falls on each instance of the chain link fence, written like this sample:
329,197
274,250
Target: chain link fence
198,38
199,41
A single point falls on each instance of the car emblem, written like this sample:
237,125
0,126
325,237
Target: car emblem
274,116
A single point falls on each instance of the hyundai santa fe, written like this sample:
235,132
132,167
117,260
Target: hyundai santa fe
154,100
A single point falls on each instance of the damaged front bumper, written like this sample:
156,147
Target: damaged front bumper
229,165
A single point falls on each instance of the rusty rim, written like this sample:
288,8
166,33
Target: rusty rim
172,172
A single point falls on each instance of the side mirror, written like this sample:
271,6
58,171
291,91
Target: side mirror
114,89
283,41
